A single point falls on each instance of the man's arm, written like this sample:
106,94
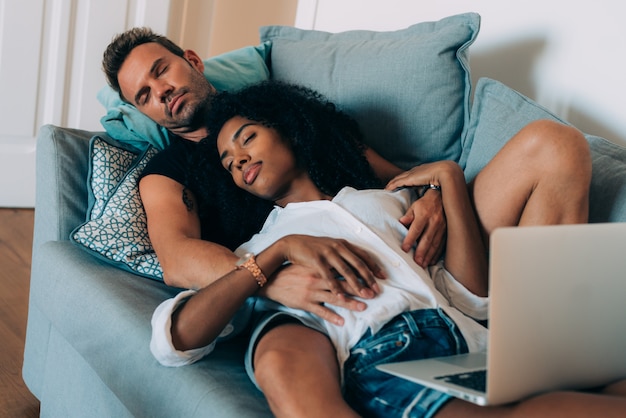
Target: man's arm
174,230
465,256
383,169
189,262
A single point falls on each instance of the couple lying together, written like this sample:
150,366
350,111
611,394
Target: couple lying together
288,145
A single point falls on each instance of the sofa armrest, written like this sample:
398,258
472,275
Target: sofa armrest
61,182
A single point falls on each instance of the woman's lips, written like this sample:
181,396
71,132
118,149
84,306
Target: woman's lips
250,173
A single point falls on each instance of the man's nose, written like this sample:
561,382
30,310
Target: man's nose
162,90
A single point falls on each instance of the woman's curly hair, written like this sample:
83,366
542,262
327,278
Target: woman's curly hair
325,141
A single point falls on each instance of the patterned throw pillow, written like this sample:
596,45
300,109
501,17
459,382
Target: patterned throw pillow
119,234
109,164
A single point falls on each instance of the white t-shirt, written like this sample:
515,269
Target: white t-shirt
369,219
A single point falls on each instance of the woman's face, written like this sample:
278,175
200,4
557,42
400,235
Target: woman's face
258,159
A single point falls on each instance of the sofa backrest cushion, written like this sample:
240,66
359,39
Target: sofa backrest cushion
408,89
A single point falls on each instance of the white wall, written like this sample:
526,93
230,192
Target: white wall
50,62
568,56
212,27
50,72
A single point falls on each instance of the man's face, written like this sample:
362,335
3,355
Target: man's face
169,89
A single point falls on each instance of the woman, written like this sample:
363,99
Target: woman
276,142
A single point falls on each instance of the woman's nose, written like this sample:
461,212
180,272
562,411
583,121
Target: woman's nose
241,160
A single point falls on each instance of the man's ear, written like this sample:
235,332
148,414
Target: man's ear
193,59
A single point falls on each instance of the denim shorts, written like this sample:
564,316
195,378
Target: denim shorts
409,336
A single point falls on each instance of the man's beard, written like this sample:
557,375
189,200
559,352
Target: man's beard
193,116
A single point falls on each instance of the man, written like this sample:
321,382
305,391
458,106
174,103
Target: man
545,170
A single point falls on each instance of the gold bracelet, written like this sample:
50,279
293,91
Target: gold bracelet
248,262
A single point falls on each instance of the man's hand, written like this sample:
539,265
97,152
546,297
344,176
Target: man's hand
332,259
322,271
425,219
298,287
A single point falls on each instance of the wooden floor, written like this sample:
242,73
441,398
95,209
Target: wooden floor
16,231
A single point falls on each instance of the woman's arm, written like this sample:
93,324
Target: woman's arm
200,320
465,256
425,220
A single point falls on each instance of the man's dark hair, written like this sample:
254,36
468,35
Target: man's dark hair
121,45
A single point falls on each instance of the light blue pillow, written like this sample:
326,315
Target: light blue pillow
499,112
409,89
229,71
237,69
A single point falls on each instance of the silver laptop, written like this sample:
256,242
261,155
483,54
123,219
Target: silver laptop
557,317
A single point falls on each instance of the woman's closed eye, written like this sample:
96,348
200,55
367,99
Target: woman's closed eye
247,138
228,164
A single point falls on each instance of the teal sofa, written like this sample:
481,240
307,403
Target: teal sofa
88,333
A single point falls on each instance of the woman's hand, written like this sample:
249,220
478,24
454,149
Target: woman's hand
426,224
332,259
200,320
425,219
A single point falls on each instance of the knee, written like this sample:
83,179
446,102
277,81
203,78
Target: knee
557,147
269,370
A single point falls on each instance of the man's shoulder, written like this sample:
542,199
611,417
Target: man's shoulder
172,161
179,145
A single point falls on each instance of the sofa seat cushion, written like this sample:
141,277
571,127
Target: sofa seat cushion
104,314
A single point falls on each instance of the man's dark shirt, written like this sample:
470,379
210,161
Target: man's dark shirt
228,215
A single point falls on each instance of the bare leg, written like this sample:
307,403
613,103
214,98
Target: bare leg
553,404
540,177
296,368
